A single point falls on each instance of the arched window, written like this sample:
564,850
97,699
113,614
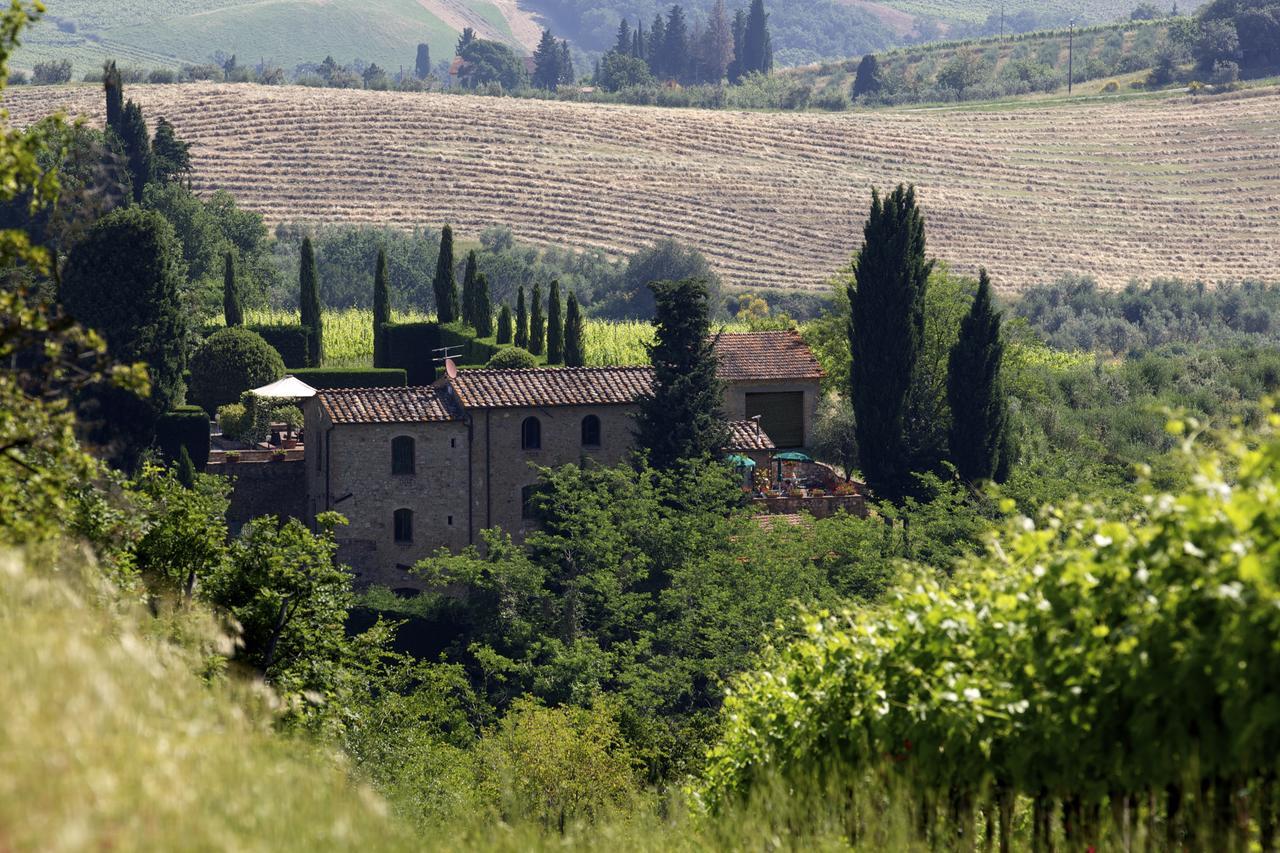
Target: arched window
590,431
526,502
531,434
404,525
402,455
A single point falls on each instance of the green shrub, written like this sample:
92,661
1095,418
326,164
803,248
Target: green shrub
232,420
185,426
229,363
353,377
290,341
512,358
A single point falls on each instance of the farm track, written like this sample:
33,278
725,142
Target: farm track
1139,189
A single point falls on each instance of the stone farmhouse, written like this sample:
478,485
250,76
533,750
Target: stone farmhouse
418,469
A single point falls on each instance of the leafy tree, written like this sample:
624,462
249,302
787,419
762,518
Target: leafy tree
522,321
757,46
717,47
886,334
422,64
186,530
232,312
546,58
835,433
665,260
537,323
465,39
309,304
555,326
137,148
504,326
575,354
512,358
444,286
979,428
484,307
488,62
229,363
680,418
963,71
172,155
381,309
622,71
867,81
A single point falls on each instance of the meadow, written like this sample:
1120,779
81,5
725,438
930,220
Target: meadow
1117,190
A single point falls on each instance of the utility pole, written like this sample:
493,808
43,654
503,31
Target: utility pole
1071,54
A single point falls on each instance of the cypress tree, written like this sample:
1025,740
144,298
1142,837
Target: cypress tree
675,47
575,353
172,156
504,325
567,75
186,469
639,47
623,43
309,304
546,58
886,335
484,307
867,81
555,326
680,418
469,307
114,88
422,65
757,47
537,324
978,409
522,321
381,309
137,148
736,67
656,43
231,309
444,285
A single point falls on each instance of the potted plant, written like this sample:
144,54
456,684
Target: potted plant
278,455
233,456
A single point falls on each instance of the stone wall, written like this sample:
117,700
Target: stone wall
263,487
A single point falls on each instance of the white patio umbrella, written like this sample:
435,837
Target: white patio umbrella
288,388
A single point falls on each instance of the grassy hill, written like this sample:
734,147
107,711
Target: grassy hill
1113,187
170,33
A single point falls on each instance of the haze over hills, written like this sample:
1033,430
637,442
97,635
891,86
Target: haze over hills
1113,188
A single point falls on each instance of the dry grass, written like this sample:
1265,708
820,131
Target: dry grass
1114,189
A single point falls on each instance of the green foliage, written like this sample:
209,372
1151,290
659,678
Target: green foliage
469,291
309,303
229,363
353,377
555,326
491,62
484,307
172,156
186,428
133,135
622,71
680,420
835,434
232,311
886,333
292,342
186,534
979,433
575,353
444,285
522,322
512,358
537,323
665,260
381,309
232,420
504,326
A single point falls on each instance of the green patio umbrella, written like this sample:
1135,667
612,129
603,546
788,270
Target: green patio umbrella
739,461
792,456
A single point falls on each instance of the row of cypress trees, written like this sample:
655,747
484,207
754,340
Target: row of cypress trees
886,340
310,309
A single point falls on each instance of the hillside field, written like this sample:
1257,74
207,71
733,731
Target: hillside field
1116,188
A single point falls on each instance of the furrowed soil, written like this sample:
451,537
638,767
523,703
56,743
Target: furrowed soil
1116,188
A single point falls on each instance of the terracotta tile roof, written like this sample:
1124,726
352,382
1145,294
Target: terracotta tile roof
747,435
386,405
766,355
560,386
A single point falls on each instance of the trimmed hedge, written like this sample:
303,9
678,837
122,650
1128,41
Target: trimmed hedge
230,362
185,426
289,341
353,377
412,346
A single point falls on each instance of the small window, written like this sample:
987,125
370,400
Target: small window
590,431
404,525
531,434
453,442
451,521
402,455
526,502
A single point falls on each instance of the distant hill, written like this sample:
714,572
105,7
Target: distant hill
1116,188
171,33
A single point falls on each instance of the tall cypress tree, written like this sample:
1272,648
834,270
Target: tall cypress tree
555,326
444,285
623,43
232,312
979,413
537,323
655,45
504,326
680,418
484,305
546,59
381,309
886,335
522,321
675,48
575,353
736,66
137,148
422,64
757,47
114,89
186,468
309,304
470,309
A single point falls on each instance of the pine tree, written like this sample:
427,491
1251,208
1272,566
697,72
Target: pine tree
309,304
422,65
546,62
623,43
522,321
575,354
655,46
537,323
444,285
484,307
680,418
675,48
639,47
567,77
464,40
504,326
867,81
555,326
470,309
757,47
978,408
886,335
137,148
114,89
186,469
381,309
231,309
172,155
